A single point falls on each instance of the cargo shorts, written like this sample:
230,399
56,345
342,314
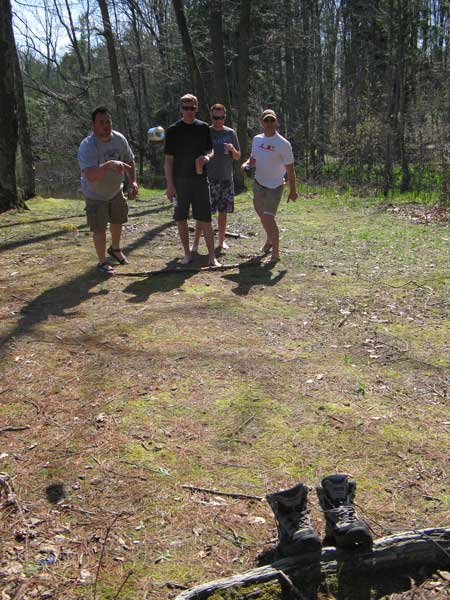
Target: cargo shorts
100,212
266,200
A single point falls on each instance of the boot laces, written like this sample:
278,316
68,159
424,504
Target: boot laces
298,518
346,513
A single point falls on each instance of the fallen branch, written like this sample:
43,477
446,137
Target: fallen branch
188,269
219,493
126,578
229,234
402,550
11,498
18,428
102,553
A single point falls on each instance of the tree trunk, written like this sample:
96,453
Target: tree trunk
400,551
121,107
221,92
194,71
26,150
8,118
243,76
289,84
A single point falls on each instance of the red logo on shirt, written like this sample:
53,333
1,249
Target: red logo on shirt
268,147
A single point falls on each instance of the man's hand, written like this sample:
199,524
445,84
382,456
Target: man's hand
292,196
242,167
203,160
118,166
133,189
170,192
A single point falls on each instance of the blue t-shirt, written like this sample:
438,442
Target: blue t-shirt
92,153
220,167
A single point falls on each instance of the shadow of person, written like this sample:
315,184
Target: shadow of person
142,289
251,276
57,301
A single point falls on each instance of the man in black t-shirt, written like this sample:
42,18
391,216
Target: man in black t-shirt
187,150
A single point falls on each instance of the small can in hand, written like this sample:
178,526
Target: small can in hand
249,170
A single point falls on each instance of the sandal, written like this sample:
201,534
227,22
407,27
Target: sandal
112,252
106,268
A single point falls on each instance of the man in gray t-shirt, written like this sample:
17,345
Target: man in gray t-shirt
220,172
104,158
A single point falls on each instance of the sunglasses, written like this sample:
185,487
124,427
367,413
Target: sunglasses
188,108
217,118
269,120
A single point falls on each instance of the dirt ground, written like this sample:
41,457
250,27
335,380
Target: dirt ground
120,395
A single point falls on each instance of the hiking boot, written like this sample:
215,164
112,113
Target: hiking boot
344,529
295,532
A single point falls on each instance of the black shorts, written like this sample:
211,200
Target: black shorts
192,191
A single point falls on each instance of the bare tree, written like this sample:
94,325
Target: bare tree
26,151
221,91
121,107
194,71
243,79
8,117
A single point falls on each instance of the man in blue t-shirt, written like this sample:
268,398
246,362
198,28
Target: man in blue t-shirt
220,172
104,158
187,150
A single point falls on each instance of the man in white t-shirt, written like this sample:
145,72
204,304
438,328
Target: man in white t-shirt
272,156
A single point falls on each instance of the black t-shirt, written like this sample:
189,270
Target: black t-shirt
185,143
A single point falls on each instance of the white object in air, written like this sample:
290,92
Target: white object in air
156,134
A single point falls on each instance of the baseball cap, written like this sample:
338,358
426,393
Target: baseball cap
268,113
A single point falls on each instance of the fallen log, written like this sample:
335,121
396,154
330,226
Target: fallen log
190,269
399,551
229,234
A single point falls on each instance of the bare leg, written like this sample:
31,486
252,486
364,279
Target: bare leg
183,232
268,243
116,233
209,239
99,238
273,234
222,223
197,235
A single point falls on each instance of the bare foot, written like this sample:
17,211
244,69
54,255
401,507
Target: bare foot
224,246
214,263
266,248
194,248
186,259
274,258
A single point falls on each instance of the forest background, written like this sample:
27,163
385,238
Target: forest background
361,86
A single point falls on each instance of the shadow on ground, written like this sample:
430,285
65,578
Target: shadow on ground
160,282
63,299
249,277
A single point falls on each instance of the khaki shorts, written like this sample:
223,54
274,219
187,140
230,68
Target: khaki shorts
266,200
99,213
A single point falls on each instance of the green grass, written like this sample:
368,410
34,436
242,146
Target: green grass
246,381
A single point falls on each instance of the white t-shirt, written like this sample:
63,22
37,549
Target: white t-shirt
272,154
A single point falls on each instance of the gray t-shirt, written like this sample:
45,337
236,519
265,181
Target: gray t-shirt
220,167
93,152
